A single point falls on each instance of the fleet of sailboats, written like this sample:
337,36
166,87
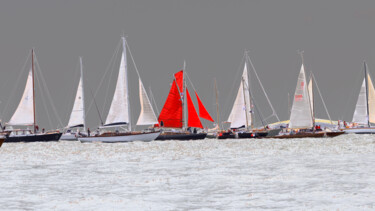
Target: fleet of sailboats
119,115
179,119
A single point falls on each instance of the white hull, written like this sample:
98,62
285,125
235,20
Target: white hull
367,130
69,137
126,138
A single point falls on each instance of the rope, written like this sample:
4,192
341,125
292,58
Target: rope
320,94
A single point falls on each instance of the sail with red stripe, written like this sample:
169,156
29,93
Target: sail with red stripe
171,114
203,113
193,118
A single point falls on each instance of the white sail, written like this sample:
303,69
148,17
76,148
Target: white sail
147,115
371,99
241,110
310,88
301,115
119,110
360,112
77,117
24,114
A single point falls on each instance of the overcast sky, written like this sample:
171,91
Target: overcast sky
211,35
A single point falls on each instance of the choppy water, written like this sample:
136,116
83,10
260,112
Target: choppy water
305,174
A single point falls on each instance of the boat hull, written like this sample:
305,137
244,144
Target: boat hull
310,135
2,139
367,130
252,134
181,136
34,137
121,138
68,137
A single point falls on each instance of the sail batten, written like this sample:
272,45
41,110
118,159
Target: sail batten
119,110
24,114
301,114
147,114
241,110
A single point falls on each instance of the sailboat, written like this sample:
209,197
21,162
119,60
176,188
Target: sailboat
119,112
364,113
177,121
302,118
77,116
25,116
241,117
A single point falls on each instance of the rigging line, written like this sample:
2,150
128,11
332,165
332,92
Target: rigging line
13,92
96,106
321,97
101,80
253,102
261,85
47,91
153,99
112,70
44,103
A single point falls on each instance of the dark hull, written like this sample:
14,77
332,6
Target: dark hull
181,136
310,135
2,141
226,136
35,138
252,135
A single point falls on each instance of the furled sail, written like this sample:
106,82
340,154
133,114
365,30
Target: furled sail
193,118
147,115
24,114
119,111
171,114
77,117
203,113
301,115
241,110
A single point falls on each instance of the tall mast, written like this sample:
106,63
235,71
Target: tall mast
184,98
83,95
244,96
250,96
32,69
313,100
366,82
217,106
127,84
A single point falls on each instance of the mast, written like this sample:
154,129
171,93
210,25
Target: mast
83,95
217,106
32,69
244,96
184,110
367,105
250,97
127,84
312,100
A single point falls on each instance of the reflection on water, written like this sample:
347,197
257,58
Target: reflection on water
302,174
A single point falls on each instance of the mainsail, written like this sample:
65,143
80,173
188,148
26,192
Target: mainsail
77,117
171,114
301,114
241,110
147,115
360,115
119,111
24,114
193,118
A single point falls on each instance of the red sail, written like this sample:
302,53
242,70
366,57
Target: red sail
193,118
171,114
203,113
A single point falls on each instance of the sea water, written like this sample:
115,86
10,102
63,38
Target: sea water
296,174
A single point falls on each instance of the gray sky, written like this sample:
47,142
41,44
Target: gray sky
210,35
